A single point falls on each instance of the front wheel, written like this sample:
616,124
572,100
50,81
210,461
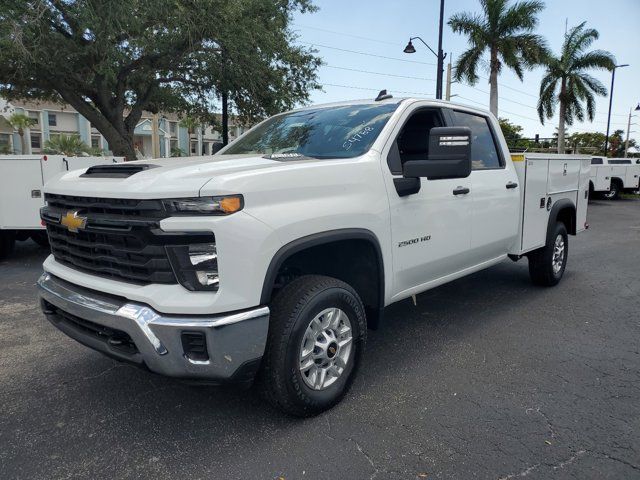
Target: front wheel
547,264
317,334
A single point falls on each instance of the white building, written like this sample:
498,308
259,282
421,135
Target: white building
54,119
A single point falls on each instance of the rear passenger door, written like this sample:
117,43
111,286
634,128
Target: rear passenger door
495,189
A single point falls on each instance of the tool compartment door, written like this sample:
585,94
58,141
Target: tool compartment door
534,214
633,176
564,175
603,178
20,193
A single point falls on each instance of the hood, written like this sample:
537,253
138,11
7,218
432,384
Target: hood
165,177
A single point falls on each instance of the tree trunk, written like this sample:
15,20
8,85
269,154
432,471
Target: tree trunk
23,144
225,119
120,145
117,130
561,120
493,83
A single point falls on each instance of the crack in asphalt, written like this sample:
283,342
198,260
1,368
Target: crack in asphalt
534,467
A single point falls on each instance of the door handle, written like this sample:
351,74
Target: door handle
461,191
512,185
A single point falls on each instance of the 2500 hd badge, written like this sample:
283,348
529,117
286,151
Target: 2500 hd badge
404,243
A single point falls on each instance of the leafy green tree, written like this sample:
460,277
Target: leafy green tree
506,33
110,60
587,142
567,83
511,131
21,122
70,145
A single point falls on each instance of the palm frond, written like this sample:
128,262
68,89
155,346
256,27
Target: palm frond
593,84
467,66
521,16
598,59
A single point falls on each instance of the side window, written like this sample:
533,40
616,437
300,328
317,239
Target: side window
412,142
484,154
596,161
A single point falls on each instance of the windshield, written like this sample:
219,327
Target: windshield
334,132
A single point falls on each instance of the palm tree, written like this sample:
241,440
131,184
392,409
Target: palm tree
567,83
20,122
506,32
69,145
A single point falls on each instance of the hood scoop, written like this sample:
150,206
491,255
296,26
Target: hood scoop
115,171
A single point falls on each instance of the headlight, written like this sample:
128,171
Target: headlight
195,266
205,205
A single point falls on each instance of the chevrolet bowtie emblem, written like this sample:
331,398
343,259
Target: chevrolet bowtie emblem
73,222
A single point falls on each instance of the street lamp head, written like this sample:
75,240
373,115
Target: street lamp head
409,48
623,65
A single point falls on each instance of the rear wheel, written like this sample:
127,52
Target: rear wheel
547,265
614,191
317,334
7,242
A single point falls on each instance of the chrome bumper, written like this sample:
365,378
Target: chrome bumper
235,342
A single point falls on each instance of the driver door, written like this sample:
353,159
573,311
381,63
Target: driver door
430,229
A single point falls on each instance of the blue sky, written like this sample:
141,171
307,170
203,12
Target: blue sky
380,29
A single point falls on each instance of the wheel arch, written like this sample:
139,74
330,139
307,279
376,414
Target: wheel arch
371,290
564,210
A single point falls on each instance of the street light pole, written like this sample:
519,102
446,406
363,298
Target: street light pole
626,143
613,78
441,56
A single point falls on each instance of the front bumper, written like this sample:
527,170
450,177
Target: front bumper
136,333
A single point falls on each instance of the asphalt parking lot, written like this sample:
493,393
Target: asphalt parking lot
488,377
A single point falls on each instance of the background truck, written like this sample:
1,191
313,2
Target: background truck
21,180
269,260
623,175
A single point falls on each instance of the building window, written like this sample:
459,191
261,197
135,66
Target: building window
173,129
36,141
53,120
35,116
5,145
95,141
194,148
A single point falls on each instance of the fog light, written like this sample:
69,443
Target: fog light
195,265
207,279
201,254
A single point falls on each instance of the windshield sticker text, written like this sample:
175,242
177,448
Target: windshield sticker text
357,137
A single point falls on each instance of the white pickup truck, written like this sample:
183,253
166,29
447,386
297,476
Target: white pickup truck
270,259
611,176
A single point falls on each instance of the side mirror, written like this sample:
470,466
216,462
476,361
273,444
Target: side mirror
449,155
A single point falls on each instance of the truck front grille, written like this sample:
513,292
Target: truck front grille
121,238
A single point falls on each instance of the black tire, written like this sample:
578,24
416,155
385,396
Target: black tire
7,242
613,193
41,238
292,310
541,261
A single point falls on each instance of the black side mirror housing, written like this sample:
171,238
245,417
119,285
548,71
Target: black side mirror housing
449,155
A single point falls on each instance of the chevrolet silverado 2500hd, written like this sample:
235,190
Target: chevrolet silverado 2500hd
270,259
